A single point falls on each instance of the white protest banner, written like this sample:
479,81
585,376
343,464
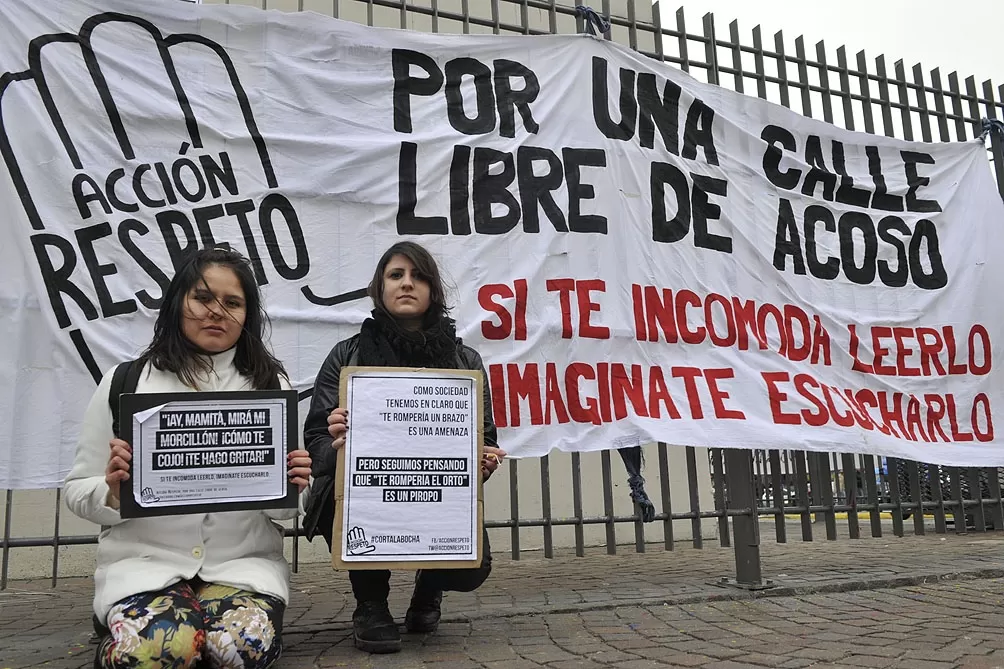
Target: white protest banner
637,255
410,471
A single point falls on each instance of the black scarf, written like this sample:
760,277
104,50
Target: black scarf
384,343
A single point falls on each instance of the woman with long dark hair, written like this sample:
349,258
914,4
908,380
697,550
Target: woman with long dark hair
410,327
209,588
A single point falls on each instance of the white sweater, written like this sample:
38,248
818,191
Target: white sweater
242,549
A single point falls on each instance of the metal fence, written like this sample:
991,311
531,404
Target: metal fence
697,493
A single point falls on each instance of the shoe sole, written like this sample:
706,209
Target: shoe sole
377,647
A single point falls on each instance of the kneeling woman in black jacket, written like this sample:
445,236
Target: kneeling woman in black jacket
409,328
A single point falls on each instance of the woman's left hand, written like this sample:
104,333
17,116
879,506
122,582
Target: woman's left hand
490,461
298,468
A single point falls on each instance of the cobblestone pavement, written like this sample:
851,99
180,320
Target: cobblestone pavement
919,602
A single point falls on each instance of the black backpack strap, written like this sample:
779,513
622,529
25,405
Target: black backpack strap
124,380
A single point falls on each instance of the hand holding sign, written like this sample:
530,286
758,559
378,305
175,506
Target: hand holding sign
338,425
298,466
119,465
491,461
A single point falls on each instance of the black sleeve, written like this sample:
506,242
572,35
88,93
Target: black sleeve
316,439
475,362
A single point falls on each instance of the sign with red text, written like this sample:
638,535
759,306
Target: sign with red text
636,255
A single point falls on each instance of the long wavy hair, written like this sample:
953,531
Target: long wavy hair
427,269
172,351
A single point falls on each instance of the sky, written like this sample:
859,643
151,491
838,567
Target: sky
959,36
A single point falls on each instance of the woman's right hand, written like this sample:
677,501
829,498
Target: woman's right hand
119,465
338,425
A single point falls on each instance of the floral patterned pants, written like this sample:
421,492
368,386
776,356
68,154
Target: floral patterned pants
193,624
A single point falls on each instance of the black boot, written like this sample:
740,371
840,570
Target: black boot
374,629
424,612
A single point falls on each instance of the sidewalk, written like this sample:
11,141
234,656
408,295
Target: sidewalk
920,602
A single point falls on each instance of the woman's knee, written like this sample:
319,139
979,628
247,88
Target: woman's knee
244,638
158,646
158,629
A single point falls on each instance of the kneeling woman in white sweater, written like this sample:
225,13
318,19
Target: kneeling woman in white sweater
211,588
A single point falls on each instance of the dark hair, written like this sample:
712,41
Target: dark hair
171,351
427,269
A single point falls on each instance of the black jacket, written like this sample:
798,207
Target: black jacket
319,512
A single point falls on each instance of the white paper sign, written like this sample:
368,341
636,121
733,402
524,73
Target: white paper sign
210,453
412,467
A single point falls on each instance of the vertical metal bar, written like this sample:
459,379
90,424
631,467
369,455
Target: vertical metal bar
404,15
976,493
843,72
803,75
836,476
761,75
938,496
815,482
892,466
660,49
737,56
639,531
851,495
825,486
524,17
55,538
514,508
695,498
496,21
782,69
777,488
739,464
633,26
884,98
917,493
802,486
667,499
974,106
681,29
720,503
296,544
995,140
925,111
608,503
958,509
6,539
960,117
903,91
580,543
939,105
545,505
824,81
994,483
435,16
874,515
864,81
466,11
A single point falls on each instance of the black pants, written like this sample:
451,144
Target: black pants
374,584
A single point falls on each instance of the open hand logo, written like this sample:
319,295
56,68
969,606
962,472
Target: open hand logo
356,542
119,131
147,496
